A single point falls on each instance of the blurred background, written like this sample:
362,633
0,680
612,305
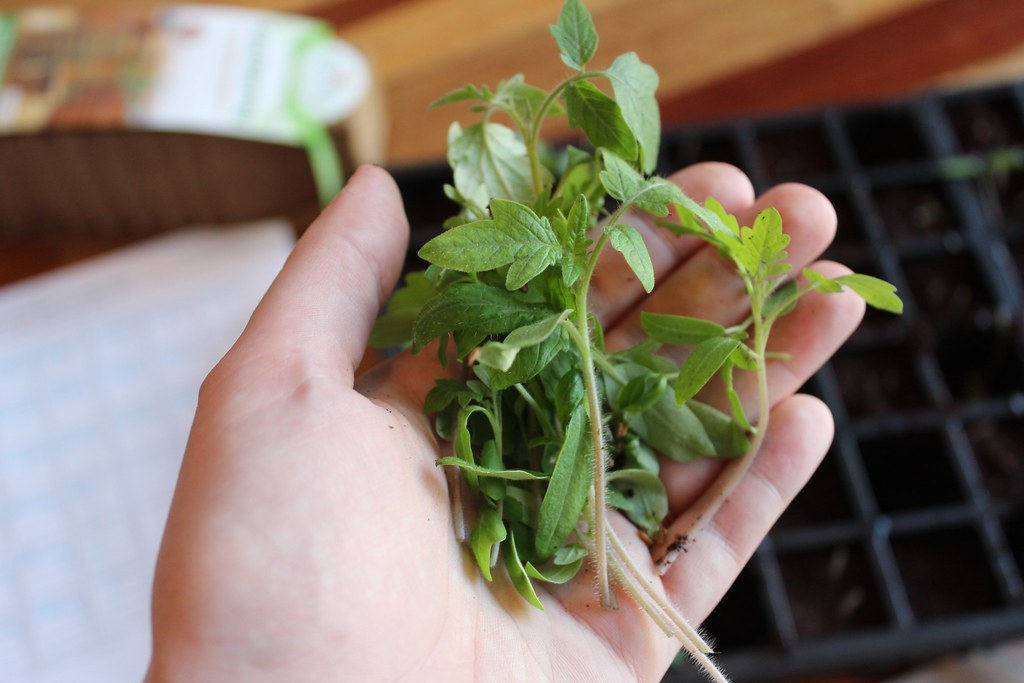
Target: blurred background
907,547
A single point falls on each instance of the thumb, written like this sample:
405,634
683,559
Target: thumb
327,295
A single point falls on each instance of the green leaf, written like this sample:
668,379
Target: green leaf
516,572
680,330
467,93
646,354
824,284
569,394
531,360
764,245
738,413
674,431
501,355
510,475
515,236
874,291
628,242
781,301
444,392
395,327
642,496
522,101
489,160
638,455
640,393
569,554
623,182
600,118
488,532
701,365
473,247
575,34
727,436
574,240
464,445
556,573
492,486
473,307
568,489
635,84
538,245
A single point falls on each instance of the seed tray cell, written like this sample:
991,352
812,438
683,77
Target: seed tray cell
909,542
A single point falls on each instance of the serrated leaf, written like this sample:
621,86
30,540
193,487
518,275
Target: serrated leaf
568,489
473,307
875,292
600,118
521,100
518,575
575,34
488,532
680,330
628,242
538,245
489,160
510,475
763,245
473,247
623,182
467,93
701,365
635,84
642,496
501,355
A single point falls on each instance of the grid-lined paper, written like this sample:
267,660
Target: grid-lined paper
100,366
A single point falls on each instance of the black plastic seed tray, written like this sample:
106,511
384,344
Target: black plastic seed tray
908,543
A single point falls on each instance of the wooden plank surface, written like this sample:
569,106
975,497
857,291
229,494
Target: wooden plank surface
424,48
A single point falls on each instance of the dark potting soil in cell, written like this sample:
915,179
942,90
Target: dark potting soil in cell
947,288
978,362
999,449
885,137
879,381
794,151
945,573
831,590
1010,190
910,470
917,210
986,124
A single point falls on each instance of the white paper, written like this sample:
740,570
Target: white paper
100,365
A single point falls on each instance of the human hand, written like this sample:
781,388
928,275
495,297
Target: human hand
310,536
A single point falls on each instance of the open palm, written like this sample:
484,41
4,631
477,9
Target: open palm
310,537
